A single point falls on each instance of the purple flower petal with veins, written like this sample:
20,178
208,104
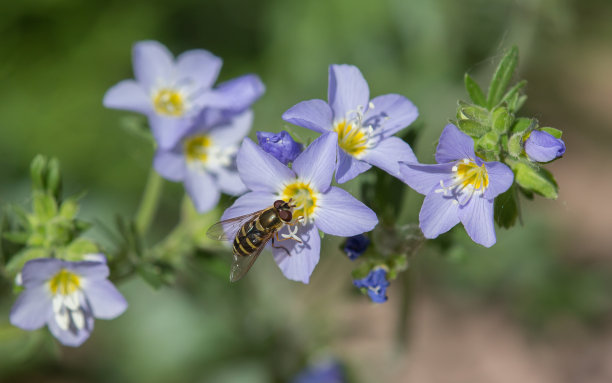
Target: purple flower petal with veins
461,188
365,127
66,296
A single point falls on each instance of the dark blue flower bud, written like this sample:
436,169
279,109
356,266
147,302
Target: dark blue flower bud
280,145
355,246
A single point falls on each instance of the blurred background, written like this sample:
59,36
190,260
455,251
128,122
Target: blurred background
534,308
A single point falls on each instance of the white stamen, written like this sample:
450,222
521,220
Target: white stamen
78,318
62,319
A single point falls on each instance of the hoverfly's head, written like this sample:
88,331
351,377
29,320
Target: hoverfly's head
284,210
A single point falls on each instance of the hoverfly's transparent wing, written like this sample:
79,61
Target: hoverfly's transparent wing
242,264
226,230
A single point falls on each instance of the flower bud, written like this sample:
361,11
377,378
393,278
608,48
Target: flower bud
280,145
543,147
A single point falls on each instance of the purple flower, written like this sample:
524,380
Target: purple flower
326,371
172,93
280,145
376,283
319,206
542,146
356,245
66,296
205,159
365,128
460,188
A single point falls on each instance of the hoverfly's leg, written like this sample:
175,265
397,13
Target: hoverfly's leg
296,221
279,247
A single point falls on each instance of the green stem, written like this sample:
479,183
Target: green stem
149,202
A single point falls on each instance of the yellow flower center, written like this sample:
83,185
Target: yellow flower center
168,102
64,283
352,139
197,147
470,174
303,196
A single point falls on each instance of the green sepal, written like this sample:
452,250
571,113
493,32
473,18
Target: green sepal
515,145
524,124
362,271
474,91
476,113
501,77
556,133
489,143
535,179
44,206
15,264
473,128
501,120
506,208
396,264
77,249
69,209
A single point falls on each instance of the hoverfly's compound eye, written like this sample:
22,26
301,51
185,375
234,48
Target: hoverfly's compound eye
278,203
285,215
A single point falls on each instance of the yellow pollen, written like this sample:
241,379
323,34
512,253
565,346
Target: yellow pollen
196,147
471,174
64,283
168,102
351,139
303,196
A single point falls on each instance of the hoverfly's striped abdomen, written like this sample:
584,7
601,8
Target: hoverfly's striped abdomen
252,233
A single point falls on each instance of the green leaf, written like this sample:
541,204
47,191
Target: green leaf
474,91
538,180
78,248
556,133
16,236
473,128
524,124
151,274
15,264
502,77
512,96
515,145
44,206
54,178
69,209
37,172
506,208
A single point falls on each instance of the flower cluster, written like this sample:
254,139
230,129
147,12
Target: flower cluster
197,127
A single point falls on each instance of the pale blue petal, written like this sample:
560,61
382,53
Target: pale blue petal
40,270
500,179
477,218
68,338
105,300
391,113
199,67
312,114
316,164
90,270
128,95
341,214
454,145
259,170
170,164
153,64
347,90
233,131
236,95
168,131
423,177
304,256
349,167
229,181
438,214
201,188
388,153
32,308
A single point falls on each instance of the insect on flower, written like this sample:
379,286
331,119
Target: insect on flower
252,232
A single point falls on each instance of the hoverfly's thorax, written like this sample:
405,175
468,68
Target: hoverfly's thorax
270,220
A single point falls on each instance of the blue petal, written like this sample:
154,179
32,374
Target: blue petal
202,189
168,131
477,218
315,165
232,131
500,179
388,153
32,308
128,95
105,300
68,338
312,114
229,181
454,145
349,167
347,90
259,170
236,95
40,270
341,214
170,164
543,147
438,214
90,270
198,67
424,177
299,265
153,64
392,113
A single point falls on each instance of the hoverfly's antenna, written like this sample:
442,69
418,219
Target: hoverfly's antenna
289,203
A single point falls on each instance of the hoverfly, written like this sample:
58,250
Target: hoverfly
253,231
